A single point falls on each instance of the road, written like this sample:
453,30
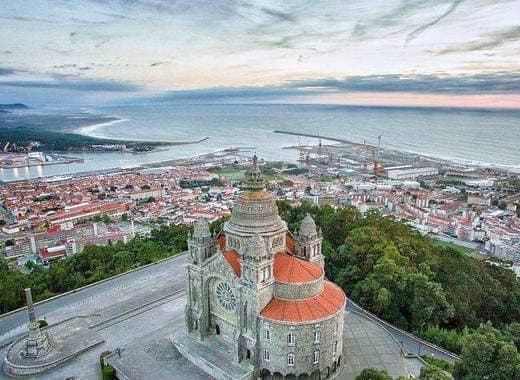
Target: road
167,275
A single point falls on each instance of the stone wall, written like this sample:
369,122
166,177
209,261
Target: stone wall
331,331
295,291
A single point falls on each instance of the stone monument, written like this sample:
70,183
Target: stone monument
37,343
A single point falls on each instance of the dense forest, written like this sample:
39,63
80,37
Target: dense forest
63,141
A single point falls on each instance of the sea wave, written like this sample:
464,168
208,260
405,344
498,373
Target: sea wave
93,129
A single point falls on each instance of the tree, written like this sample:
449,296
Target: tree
431,372
106,219
487,355
373,374
124,217
97,218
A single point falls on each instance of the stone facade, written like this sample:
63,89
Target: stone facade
262,291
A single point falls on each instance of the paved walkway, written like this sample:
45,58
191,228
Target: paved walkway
369,345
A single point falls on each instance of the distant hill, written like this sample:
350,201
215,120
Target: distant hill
13,106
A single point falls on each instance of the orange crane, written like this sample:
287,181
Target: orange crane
379,170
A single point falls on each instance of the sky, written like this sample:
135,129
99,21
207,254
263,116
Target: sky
459,53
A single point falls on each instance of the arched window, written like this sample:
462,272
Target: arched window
316,357
291,339
245,315
267,334
317,336
267,355
290,360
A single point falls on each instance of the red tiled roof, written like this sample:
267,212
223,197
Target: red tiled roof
289,242
233,259
45,254
290,269
327,303
221,240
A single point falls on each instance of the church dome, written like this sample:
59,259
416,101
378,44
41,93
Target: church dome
254,211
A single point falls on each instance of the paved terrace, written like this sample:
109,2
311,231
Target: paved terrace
138,310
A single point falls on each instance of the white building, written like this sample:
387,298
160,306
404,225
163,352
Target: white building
404,172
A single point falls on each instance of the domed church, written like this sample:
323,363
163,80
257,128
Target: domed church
261,291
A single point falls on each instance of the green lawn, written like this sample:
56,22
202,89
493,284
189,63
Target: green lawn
456,247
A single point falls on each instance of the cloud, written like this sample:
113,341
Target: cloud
159,63
74,37
506,82
222,94
65,66
418,31
498,83
278,15
102,42
62,83
394,18
4,71
29,19
487,42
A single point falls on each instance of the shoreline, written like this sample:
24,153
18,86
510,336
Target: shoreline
427,156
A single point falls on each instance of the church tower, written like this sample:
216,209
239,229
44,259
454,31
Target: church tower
308,241
201,243
201,246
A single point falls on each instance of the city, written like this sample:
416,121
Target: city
476,210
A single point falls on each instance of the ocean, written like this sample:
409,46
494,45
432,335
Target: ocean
477,137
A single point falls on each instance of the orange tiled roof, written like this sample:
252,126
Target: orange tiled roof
221,241
290,269
233,259
327,303
289,242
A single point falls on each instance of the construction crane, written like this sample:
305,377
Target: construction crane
6,147
379,170
301,149
319,142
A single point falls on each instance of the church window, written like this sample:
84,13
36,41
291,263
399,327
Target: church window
335,348
267,355
335,331
267,334
291,339
226,296
317,337
290,360
245,316
316,357
265,273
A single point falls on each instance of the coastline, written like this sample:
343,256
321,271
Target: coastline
89,130
428,156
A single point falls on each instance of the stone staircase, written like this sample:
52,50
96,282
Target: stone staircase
212,355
